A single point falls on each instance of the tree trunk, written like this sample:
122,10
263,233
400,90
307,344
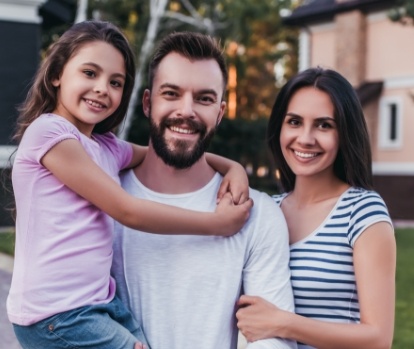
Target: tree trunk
157,10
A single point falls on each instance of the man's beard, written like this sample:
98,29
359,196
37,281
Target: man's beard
181,156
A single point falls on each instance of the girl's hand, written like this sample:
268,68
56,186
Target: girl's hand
230,217
236,182
259,319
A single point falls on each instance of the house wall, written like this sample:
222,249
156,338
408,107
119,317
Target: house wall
370,49
19,58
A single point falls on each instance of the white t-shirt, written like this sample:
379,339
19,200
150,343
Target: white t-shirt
184,288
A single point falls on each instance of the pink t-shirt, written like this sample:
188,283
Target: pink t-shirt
63,243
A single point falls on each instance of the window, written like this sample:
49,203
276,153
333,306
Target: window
390,123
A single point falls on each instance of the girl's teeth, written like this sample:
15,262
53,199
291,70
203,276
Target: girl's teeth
305,155
94,104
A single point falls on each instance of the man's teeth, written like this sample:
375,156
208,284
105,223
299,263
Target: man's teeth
305,155
94,104
181,130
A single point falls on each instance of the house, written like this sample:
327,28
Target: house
375,54
21,24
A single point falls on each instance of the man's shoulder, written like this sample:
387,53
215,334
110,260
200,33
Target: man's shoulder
264,205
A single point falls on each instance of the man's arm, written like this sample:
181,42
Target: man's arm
266,272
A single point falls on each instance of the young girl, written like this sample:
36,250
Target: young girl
343,253
66,186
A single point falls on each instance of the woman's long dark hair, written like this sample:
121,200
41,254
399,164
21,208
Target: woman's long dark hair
353,162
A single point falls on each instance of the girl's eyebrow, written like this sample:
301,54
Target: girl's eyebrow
99,68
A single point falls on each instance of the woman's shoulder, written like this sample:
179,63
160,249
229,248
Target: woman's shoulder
358,196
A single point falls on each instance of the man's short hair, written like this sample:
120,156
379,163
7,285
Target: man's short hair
191,45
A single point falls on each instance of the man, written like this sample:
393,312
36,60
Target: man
184,288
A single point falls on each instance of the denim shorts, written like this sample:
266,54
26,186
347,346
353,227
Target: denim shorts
103,326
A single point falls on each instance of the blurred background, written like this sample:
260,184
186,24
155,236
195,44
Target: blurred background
266,42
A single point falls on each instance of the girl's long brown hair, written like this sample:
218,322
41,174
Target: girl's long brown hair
42,96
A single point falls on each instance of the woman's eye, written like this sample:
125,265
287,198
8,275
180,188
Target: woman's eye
325,125
293,122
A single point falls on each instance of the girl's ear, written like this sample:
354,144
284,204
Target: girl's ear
56,82
146,102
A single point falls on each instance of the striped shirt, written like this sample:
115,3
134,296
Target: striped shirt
321,264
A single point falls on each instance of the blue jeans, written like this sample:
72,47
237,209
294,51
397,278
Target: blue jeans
103,326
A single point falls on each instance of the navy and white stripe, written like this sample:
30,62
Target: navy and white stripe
321,264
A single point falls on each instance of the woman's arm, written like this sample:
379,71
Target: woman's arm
374,263
70,163
235,178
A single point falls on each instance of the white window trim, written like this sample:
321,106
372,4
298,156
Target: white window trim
393,168
24,11
5,152
383,140
304,49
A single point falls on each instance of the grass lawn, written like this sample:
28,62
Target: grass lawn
7,243
404,309
404,315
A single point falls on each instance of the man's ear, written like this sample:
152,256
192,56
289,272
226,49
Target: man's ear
223,105
146,102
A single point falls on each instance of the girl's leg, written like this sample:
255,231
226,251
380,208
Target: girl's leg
104,326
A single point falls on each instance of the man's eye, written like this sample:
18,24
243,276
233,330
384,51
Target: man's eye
206,99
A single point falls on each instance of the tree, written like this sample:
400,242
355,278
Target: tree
403,12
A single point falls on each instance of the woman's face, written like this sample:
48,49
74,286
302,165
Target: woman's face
309,136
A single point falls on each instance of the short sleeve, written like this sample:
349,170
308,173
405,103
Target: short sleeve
44,133
368,209
120,149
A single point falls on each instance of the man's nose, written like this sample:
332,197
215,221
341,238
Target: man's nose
186,106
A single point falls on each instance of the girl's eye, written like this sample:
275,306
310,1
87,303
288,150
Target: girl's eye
89,73
116,83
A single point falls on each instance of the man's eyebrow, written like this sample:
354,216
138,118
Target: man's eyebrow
169,85
208,91
176,87
98,67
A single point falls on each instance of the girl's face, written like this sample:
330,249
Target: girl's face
309,135
90,86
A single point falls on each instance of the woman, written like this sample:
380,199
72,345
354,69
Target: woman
343,251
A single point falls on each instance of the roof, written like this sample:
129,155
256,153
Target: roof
57,12
368,91
314,11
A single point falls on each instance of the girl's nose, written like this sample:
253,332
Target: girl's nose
101,87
